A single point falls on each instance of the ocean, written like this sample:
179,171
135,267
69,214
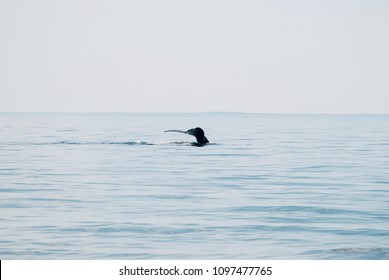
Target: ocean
268,186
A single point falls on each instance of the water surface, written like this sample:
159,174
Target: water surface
115,186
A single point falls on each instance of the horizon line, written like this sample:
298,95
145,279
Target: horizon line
198,112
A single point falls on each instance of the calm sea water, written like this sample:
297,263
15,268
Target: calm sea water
115,186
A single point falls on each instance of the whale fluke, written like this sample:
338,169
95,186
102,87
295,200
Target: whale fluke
196,132
175,130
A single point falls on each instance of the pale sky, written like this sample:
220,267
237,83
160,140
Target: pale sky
302,56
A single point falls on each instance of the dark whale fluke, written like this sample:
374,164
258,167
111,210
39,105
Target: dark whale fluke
196,132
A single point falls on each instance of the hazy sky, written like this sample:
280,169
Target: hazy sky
301,56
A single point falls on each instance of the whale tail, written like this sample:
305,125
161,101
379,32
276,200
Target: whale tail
175,130
196,132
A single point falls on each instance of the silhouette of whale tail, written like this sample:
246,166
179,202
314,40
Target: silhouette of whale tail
196,132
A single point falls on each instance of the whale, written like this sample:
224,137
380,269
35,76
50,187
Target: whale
197,132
